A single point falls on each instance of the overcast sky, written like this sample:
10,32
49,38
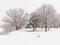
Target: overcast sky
27,5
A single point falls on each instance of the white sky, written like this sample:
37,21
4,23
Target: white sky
27,5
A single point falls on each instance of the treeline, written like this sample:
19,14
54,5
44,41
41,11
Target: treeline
43,17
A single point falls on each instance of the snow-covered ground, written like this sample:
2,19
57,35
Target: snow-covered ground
30,30
51,37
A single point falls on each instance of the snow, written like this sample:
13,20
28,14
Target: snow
51,37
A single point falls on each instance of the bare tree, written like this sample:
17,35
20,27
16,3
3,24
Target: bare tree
43,17
46,14
58,17
15,19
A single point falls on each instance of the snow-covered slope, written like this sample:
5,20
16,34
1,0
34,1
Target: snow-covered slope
30,38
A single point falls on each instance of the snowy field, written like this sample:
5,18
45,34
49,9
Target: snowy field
51,37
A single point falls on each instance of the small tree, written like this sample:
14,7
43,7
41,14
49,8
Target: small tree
34,22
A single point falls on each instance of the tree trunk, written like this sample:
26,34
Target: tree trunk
33,29
46,25
45,28
16,27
